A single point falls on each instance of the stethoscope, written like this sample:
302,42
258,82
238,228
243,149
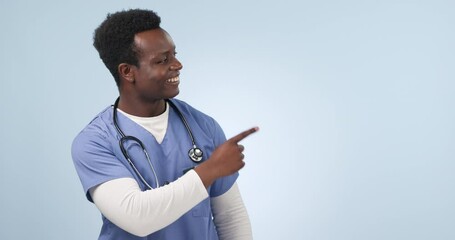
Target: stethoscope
194,153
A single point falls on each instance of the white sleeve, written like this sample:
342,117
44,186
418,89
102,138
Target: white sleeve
144,212
230,216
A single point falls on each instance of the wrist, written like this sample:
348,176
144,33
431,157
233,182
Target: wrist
206,173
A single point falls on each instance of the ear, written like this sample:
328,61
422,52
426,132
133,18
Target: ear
126,72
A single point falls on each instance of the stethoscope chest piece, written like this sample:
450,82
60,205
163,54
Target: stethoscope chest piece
195,154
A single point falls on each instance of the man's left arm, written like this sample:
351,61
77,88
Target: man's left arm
230,216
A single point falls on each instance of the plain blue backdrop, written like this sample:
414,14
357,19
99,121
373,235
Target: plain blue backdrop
355,100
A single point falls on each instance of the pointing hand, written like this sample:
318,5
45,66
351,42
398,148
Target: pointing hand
225,160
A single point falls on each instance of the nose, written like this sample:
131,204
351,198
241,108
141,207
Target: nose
176,65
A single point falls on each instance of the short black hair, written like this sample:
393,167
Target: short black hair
114,38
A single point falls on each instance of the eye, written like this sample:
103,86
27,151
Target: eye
163,60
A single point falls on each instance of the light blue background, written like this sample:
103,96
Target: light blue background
355,100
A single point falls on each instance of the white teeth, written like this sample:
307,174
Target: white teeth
173,80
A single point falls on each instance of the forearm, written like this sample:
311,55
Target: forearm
144,212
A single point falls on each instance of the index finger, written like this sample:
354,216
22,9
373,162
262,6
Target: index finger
239,137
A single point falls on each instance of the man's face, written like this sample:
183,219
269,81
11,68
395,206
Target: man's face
157,76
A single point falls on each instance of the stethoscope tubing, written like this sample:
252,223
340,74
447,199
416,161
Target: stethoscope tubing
125,154
194,153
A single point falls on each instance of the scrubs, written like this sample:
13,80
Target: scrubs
98,158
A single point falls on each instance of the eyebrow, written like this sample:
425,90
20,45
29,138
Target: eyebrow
168,51
158,54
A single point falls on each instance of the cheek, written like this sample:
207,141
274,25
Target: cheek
151,78
154,74
145,76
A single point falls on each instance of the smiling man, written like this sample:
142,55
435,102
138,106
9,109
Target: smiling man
154,166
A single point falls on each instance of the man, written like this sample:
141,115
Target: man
155,167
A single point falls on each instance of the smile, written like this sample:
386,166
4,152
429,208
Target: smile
173,80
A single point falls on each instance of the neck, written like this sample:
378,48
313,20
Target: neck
139,108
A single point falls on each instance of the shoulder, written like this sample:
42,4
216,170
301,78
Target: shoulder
97,129
191,112
196,117
187,108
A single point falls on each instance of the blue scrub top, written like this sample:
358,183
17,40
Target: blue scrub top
98,158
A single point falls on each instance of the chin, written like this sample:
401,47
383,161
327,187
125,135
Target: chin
174,94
